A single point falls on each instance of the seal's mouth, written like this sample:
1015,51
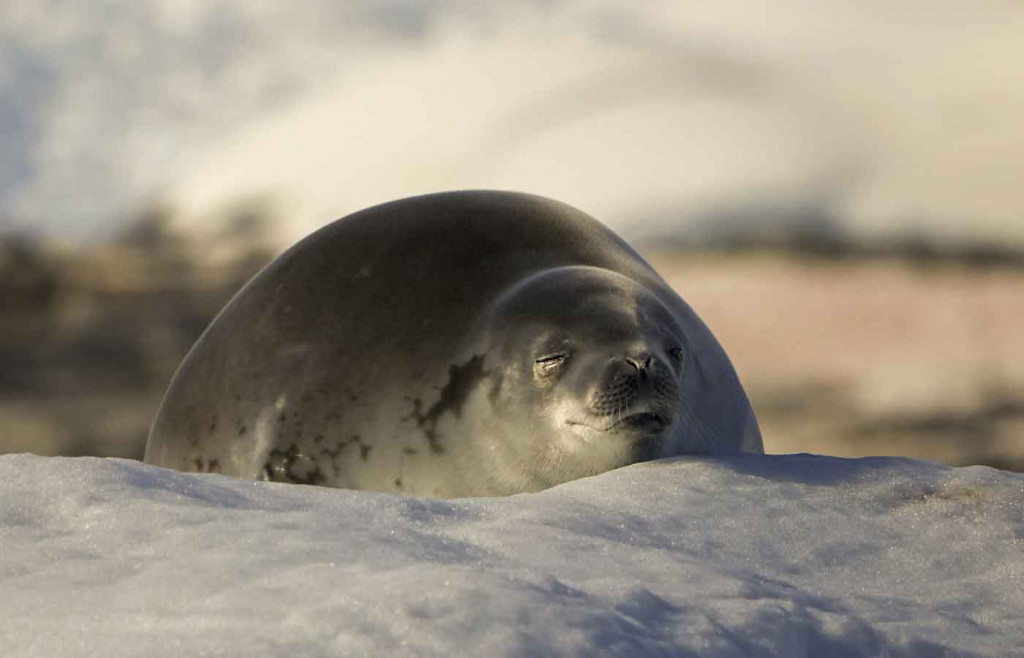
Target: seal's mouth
645,422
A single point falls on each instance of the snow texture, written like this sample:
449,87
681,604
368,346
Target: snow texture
793,555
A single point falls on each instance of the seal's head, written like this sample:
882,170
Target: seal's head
590,363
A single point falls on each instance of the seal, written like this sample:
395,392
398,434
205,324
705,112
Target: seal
458,344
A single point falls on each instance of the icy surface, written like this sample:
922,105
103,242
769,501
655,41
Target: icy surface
791,556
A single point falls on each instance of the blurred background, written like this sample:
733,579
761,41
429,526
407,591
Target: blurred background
835,187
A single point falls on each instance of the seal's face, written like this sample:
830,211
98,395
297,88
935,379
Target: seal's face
592,365
633,393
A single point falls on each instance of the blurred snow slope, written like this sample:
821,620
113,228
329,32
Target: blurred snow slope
897,117
779,556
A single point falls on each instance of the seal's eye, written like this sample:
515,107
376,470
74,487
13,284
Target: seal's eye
548,365
551,360
676,353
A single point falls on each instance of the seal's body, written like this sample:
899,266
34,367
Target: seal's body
455,344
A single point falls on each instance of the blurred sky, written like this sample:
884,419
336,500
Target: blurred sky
887,117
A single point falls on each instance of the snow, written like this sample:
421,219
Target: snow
788,555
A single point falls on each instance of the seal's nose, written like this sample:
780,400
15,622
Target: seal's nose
641,361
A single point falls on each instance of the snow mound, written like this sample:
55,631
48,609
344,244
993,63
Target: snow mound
793,555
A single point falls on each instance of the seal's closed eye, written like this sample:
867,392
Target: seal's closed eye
546,367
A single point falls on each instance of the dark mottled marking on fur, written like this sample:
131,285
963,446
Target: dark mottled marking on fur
210,466
335,450
293,466
461,381
495,391
334,455
193,426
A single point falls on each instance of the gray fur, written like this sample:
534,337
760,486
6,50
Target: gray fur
454,344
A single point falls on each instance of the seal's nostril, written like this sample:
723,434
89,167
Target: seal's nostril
641,361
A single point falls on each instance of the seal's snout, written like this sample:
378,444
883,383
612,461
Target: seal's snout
636,392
